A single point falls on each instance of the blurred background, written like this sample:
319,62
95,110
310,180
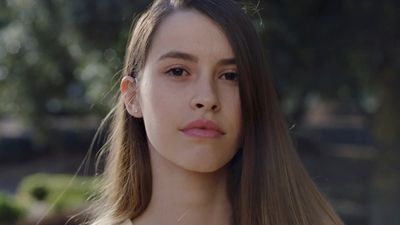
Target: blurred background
336,65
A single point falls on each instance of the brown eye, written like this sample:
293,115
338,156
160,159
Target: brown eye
230,76
176,72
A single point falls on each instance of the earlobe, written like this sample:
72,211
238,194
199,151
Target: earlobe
128,91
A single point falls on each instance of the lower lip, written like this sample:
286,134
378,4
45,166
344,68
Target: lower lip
202,133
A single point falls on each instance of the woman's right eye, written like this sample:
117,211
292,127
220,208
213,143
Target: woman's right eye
177,72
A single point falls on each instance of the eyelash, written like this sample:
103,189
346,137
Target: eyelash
232,73
170,72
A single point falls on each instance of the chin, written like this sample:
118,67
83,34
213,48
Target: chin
207,166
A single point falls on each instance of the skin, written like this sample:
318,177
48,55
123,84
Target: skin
189,173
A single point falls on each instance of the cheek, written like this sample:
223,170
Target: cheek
231,103
158,100
237,118
160,109
152,102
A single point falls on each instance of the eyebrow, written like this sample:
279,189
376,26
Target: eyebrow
179,55
192,58
224,62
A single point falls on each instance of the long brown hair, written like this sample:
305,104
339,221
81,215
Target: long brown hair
268,183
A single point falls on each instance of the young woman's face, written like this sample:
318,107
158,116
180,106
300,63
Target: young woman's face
190,75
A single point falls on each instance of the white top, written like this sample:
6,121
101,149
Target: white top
127,222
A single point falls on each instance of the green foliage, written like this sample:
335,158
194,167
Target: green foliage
10,211
60,57
327,48
64,191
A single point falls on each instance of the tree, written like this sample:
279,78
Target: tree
344,50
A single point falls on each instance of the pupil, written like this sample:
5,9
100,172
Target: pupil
231,76
177,71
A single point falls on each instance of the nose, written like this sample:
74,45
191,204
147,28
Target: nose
205,98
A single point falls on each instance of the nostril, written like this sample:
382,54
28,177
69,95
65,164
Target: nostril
198,105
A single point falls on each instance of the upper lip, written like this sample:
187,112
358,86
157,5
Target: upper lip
203,124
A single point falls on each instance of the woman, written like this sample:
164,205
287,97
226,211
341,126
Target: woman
197,135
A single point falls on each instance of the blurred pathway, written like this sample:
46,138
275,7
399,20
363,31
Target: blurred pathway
12,174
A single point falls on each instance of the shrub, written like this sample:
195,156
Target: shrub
10,211
65,192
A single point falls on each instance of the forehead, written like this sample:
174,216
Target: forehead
191,32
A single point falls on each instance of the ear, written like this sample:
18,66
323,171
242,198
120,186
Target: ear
128,90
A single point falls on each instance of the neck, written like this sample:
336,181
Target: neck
185,197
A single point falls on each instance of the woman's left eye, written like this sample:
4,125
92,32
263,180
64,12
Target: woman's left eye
177,72
230,76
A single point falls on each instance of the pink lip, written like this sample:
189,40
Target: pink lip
203,128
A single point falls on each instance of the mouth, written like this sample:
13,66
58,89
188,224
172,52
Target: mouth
202,133
203,129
